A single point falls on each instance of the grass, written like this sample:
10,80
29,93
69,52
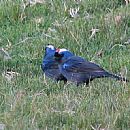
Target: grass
30,101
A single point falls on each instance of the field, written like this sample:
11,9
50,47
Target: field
98,30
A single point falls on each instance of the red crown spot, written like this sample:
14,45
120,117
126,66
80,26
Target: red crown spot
57,50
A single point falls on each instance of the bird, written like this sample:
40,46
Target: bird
50,67
78,70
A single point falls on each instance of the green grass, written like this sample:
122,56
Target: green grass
31,101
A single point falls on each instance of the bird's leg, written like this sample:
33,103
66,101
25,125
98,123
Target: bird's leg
65,81
77,84
87,82
57,80
60,78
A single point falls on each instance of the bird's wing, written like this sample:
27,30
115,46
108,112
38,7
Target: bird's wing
83,66
50,64
53,66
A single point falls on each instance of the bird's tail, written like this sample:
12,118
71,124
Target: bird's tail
118,77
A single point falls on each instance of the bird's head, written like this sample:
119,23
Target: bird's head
49,49
62,55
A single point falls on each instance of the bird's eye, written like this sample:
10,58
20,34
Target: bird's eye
58,55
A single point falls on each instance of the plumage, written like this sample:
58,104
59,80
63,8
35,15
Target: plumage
50,67
78,70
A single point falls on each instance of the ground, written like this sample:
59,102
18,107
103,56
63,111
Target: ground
97,30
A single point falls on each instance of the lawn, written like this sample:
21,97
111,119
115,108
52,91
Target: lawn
97,30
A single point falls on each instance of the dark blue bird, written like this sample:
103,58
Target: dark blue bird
50,67
78,70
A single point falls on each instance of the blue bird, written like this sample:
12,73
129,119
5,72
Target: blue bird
78,70
50,67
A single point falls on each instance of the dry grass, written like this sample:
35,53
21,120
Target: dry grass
97,30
